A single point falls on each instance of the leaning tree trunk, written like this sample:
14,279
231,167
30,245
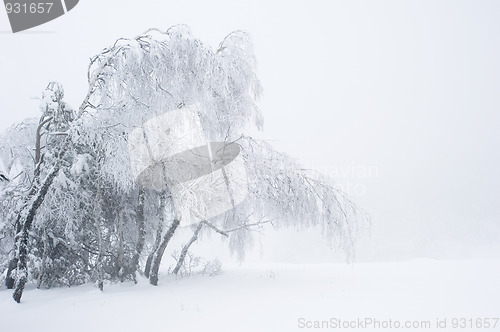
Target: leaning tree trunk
147,267
153,278
185,249
27,221
10,279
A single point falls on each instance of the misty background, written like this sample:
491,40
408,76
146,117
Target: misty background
398,101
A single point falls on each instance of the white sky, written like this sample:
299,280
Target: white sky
409,88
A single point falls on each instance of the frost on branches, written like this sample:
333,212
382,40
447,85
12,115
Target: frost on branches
72,210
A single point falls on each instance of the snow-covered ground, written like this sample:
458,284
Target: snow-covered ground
273,297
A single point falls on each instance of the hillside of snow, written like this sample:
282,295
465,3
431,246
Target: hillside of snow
273,297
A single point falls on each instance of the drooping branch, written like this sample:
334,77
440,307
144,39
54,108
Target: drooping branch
194,237
226,232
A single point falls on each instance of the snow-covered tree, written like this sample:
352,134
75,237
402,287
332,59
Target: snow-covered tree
84,216
145,77
48,155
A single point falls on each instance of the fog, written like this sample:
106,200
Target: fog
397,100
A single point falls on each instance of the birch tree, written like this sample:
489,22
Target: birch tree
88,216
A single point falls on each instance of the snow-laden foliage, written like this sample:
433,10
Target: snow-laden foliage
16,157
284,194
16,151
281,190
72,211
31,150
137,79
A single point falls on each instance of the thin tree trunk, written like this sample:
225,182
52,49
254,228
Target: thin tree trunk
185,249
141,230
97,221
121,254
153,279
159,231
10,280
99,267
38,141
27,222
44,258
151,255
